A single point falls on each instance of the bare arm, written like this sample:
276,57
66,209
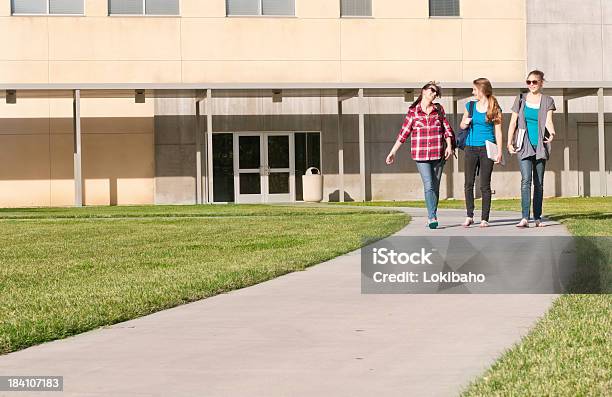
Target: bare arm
550,126
396,146
449,150
499,140
401,138
465,120
511,129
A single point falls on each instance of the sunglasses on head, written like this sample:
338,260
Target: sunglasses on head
532,82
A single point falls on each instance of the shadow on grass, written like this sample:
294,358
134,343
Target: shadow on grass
594,268
581,215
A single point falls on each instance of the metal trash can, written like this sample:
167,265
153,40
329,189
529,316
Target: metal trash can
312,185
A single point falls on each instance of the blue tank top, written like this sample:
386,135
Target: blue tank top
531,117
481,129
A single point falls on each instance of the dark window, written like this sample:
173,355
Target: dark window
162,7
223,167
443,8
126,7
45,7
356,8
143,7
260,7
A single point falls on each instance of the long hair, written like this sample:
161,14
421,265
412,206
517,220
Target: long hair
431,84
494,114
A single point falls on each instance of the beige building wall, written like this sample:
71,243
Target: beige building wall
36,152
399,43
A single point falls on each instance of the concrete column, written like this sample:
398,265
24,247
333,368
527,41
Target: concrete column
340,154
209,131
455,174
198,151
566,155
362,176
601,143
78,179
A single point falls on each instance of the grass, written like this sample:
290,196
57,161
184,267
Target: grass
569,351
64,271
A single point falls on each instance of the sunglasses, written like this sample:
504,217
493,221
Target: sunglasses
532,82
432,89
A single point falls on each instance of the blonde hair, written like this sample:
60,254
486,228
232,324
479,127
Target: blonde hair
494,113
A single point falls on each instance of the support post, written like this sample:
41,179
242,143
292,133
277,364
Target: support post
362,176
455,174
566,155
340,154
76,119
198,153
209,131
601,142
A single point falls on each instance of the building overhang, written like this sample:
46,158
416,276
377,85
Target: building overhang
198,90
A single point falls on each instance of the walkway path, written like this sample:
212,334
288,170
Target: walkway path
309,333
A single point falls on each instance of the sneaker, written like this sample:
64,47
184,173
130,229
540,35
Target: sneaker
538,223
523,223
433,224
468,221
484,224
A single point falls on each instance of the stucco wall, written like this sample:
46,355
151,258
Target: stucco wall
570,40
36,152
398,43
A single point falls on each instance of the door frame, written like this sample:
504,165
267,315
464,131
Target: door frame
292,176
264,169
255,198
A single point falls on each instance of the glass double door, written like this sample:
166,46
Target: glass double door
264,167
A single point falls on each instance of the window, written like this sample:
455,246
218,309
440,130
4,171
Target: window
47,7
260,7
356,8
143,7
223,167
443,8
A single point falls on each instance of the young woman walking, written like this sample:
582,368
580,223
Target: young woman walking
486,126
431,144
534,113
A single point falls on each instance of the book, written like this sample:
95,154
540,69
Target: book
520,138
492,151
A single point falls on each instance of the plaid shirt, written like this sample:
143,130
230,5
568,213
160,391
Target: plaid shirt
427,141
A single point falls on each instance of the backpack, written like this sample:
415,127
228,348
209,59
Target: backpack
462,134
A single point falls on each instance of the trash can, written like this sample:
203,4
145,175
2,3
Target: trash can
312,185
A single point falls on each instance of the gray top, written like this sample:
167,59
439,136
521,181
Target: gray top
542,150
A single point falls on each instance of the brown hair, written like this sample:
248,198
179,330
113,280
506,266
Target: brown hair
538,73
431,84
494,114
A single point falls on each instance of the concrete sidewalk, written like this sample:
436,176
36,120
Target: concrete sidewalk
309,333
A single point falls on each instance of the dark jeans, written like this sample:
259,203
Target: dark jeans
532,170
476,156
431,174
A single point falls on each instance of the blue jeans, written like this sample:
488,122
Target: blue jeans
532,170
431,174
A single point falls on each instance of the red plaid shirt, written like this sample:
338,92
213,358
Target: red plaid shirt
427,141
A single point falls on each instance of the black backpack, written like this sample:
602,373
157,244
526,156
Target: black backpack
462,134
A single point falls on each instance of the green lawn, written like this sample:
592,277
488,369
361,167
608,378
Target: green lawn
68,270
569,351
